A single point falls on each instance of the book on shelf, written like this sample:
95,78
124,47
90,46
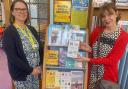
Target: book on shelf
122,3
64,36
80,64
123,24
62,57
74,27
77,79
79,13
74,39
66,32
80,3
94,22
57,79
58,34
52,57
54,35
77,35
65,80
62,11
63,47
63,60
67,48
68,62
50,79
73,48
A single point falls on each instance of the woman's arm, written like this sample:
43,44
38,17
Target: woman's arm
85,47
113,57
10,49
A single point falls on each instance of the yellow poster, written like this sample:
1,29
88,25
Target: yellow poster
79,17
62,11
52,57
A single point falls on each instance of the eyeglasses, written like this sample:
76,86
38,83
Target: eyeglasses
21,10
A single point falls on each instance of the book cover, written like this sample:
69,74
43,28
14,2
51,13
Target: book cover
62,11
80,64
62,57
79,17
64,36
80,3
77,35
65,61
123,24
52,57
65,80
70,63
73,48
57,79
74,27
50,79
77,80
122,1
80,35
54,34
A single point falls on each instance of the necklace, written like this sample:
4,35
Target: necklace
24,29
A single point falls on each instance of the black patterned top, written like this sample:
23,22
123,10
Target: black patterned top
32,55
106,43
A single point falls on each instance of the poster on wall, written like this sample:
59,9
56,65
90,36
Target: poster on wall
79,13
81,4
79,17
62,11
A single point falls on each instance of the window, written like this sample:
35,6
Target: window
39,15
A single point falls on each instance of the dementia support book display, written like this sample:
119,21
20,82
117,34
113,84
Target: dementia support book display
62,46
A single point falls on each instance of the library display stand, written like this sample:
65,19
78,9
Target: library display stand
60,74
60,70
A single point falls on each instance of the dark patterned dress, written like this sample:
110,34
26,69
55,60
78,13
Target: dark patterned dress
33,59
106,44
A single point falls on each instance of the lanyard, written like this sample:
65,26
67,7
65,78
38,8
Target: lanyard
28,35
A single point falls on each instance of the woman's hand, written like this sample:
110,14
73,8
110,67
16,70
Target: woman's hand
82,59
85,47
36,71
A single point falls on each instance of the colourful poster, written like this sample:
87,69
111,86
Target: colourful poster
62,11
79,17
80,3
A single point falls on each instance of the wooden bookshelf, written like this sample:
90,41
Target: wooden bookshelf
7,4
122,7
122,10
46,48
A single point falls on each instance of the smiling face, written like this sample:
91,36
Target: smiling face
109,15
20,12
109,18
